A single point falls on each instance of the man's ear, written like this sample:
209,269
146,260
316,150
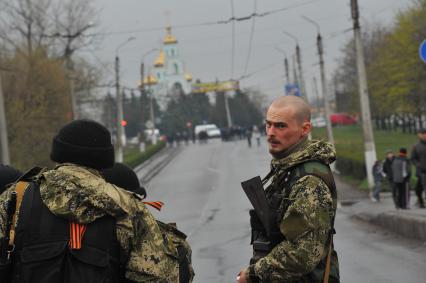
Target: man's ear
306,128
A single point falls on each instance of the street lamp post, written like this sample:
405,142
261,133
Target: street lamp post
299,64
120,130
287,75
151,81
325,94
142,90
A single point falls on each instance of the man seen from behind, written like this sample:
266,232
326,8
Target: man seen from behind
73,226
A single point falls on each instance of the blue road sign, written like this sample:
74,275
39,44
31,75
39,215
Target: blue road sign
292,89
422,51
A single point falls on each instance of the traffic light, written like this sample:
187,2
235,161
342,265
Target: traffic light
124,123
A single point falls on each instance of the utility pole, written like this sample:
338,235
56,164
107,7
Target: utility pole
317,96
286,72
228,112
287,75
295,77
327,110
369,146
299,65
323,83
142,90
119,152
301,78
70,70
151,111
4,153
119,143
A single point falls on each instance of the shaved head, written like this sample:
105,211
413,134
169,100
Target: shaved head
302,110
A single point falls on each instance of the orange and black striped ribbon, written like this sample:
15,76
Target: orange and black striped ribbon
76,235
155,204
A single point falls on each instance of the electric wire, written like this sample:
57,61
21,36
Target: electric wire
210,23
232,40
253,24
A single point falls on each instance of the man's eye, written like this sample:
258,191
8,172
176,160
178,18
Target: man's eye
280,126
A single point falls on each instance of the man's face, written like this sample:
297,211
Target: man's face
282,128
422,136
389,155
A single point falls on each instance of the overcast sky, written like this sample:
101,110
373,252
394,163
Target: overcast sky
206,50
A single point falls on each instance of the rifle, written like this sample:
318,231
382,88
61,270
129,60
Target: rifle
256,195
5,250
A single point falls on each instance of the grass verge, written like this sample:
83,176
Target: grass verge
133,157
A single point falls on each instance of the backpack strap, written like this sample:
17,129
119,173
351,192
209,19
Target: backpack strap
20,189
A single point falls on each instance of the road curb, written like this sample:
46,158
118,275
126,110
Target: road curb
151,167
411,226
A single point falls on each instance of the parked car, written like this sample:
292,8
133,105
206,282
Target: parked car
211,129
342,119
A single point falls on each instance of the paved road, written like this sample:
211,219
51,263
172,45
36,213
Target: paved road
201,189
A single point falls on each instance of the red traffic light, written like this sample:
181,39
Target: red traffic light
124,123
188,124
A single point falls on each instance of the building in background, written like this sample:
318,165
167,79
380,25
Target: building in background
169,68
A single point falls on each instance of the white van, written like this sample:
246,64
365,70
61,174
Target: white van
211,129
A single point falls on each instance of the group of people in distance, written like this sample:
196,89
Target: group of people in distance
398,172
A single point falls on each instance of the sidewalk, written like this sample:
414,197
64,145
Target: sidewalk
410,222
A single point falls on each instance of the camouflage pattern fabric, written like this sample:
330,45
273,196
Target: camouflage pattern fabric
81,195
178,239
307,218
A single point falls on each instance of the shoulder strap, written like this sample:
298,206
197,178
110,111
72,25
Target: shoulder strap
323,172
320,170
20,189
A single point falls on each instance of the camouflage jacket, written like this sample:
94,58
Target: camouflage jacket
80,194
307,212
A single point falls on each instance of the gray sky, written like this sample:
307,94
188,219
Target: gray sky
206,50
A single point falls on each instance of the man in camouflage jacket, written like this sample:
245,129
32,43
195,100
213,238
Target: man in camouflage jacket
304,203
75,191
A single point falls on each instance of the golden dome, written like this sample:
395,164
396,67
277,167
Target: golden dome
150,80
188,77
159,62
169,38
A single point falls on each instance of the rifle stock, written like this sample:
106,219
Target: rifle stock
253,188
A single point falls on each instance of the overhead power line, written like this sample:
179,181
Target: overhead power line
211,23
233,40
253,24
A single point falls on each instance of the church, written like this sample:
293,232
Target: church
168,75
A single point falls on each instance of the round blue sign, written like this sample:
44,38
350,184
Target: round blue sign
422,51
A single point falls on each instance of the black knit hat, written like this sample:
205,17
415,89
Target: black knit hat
8,175
83,142
124,177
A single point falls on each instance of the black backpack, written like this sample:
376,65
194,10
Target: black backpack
45,247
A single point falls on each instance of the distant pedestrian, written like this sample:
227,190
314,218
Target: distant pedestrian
378,177
387,169
401,171
248,136
256,134
418,157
